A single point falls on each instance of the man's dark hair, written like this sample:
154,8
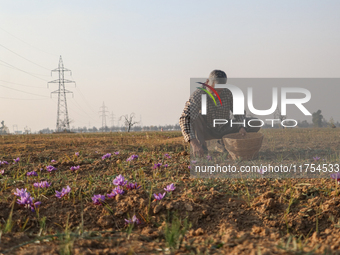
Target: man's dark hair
217,76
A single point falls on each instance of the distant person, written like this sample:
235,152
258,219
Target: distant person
202,125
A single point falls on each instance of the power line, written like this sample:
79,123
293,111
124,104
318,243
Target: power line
26,42
22,91
11,98
22,70
22,84
23,57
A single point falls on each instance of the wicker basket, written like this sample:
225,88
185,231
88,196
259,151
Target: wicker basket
243,147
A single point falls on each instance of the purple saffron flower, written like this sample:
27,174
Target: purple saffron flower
43,184
194,161
133,220
2,172
16,160
118,190
117,152
336,176
76,154
119,181
166,165
98,199
132,157
316,158
3,163
159,196
20,192
209,157
33,173
50,168
167,155
260,171
53,161
63,192
189,167
132,186
108,155
73,168
170,188
158,165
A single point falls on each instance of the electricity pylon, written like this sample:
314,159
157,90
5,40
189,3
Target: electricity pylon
63,122
103,112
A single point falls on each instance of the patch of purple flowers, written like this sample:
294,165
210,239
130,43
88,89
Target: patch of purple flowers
336,176
43,184
167,155
50,168
98,199
132,186
16,160
132,157
116,152
116,191
159,196
3,163
119,181
133,220
63,192
158,165
73,168
33,173
26,199
108,155
170,188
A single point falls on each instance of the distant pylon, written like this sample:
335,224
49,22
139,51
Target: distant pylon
103,112
63,122
112,119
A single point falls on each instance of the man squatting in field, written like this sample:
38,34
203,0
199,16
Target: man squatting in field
197,128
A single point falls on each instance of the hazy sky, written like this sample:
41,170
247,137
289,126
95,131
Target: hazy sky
139,56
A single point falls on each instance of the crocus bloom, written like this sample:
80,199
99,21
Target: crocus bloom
108,155
51,168
170,188
166,165
76,154
132,157
118,190
117,152
158,165
33,173
3,163
194,161
43,184
133,220
98,199
20,192
73,168
2,172
316,158
260,171
167,155
208,157
159,196
132,186
63,192
26,200
336,176
16,160
53,161
119,181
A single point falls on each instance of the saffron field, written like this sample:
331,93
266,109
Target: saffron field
131,193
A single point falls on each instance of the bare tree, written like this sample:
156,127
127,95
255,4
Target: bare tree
128,121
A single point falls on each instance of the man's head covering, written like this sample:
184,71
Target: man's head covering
217,76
